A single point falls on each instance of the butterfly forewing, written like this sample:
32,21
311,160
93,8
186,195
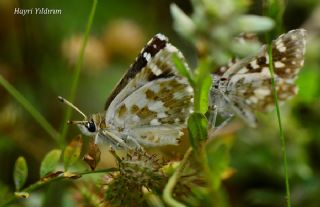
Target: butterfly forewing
152,102
156,44
288,53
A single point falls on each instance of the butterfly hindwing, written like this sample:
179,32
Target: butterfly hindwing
247,83
159,102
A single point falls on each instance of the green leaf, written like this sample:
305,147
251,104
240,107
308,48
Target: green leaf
182,68
72,152
197,127
182,23
218,161
245,48
220,9
202,87
20,173
201,96
253,23
50,162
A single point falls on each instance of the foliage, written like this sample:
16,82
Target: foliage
50,162
20,173
237,166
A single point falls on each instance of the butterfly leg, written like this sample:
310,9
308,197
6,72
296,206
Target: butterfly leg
224,123
215,130
132,143
110,138
212,117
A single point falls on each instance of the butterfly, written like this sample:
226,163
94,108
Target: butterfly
244,86
150,104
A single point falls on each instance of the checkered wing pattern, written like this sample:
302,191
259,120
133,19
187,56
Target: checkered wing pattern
151,102
245,86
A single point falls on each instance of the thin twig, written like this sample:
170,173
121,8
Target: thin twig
41,183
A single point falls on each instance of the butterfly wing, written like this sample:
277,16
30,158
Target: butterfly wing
137,74
152,102
287,54
226,105
253,82
249,81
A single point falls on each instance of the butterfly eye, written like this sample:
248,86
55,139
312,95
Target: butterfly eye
223,79
91,126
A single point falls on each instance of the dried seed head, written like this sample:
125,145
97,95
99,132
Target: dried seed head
137,170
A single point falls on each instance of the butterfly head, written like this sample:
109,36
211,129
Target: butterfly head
90,125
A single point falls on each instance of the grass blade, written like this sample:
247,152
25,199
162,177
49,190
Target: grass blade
30,108
75,78
282,138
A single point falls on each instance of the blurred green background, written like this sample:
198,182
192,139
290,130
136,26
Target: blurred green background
38,54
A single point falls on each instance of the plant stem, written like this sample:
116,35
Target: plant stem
30,108
167,192
282,138
41,183
151,198
75,78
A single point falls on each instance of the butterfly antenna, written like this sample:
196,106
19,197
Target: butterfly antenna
77,122
63,100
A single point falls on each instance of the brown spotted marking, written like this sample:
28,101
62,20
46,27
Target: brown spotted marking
122,110
134,109
145,112
151,95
